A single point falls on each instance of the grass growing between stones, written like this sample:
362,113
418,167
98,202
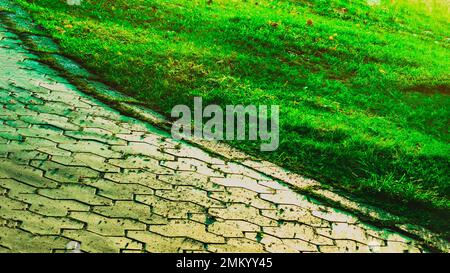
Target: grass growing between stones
363,90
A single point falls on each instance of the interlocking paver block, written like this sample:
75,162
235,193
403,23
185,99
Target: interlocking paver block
140,162
106,226
131,210
37,224
11,204
192,152
21,241
91,147
25,174
54,134
189,229
240,181
157,243
237,245
139,177
242,212
136,148
23,158
232,228
95,134
297,214
84,194
187,193
63,173
181,178
240,195
92,242
84,159
288,230
115,190
50,207
333,215
271,243
170,209
344,231
300,246
15,187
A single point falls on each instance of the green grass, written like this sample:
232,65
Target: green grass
363,90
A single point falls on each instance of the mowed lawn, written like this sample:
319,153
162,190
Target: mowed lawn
363,89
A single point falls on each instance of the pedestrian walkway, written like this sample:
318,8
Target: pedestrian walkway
77,175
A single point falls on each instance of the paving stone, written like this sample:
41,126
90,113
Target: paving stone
181,178
242,182
271,243
232,228
57,108
117,191
189,229
53,150
139,177
140,163
300,246
385,234
21,241
141,137
135,148
284,197
95,134
288,230
187,193
170,209
239,195
11,136
179,165
63,173
242,212
234,168
50,207
234,245
11,204
100,123
159,244
333,215
23,158
192,152
92,242
91,147
5,250
131,210
20,110
106,226
54,134
25,174
89,160
297,214
14,146
84,194
397,247
344,231
15,187
37,224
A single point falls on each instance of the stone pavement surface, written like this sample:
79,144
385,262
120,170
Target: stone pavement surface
76,175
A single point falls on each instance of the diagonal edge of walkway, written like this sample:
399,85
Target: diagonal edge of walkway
91,85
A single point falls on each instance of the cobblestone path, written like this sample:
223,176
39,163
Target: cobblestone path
76,175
